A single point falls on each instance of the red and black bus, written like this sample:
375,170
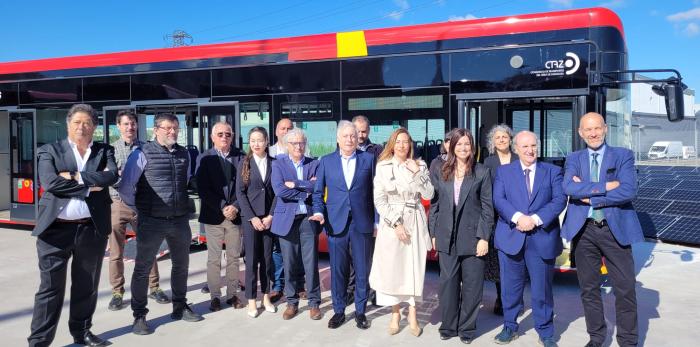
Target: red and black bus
534,71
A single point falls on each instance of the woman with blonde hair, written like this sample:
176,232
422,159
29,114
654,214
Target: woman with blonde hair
398,269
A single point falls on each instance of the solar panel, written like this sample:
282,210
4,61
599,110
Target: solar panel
660,183
654,224
682,194
688,185
650,205
685,229
650,192
683,209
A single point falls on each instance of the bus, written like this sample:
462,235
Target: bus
535,72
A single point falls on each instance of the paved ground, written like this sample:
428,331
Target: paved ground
667,291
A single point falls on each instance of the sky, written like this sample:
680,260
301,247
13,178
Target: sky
659,34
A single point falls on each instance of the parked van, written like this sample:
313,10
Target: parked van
689,152
666,150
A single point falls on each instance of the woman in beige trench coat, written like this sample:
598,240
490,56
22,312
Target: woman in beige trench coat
398,269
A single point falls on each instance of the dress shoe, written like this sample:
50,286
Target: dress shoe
185,313
444,336
269,307
466,339
547,342
159,296
416,331
140,326
303,295
290,312
593,344
337,320
505,336
117,302
253,314
88,339
315,313
275,296
235,302
362,322
215,305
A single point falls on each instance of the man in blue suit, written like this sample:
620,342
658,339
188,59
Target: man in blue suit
527,236
347,177
602,183
293,179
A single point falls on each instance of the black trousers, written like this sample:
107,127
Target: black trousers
258,260
55,246
461,288
592,244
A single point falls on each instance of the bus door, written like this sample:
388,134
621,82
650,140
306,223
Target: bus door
4,165
24,188
212,112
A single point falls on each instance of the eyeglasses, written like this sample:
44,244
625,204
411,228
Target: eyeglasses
297,144
169,129
224,135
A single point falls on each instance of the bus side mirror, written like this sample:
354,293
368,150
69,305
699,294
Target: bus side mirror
673,97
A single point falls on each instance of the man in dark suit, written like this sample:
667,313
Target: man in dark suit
347,176
73,221
216,183
600,220
527,236
293,179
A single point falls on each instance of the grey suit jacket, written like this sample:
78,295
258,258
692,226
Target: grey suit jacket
458,228
99,171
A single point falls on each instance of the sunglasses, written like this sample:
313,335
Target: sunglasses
224,134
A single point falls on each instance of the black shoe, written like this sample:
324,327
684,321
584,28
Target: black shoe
466,339
205,289
444,336
235,302
140,326
88,339
117,302
547,342
372,297
593,344
215,305
505,336
159,296
185,313
337,320
362,322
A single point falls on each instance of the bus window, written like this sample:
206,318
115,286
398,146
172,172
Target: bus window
254,114
320,136
50,126
559,135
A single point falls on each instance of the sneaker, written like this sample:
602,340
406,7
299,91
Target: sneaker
117,302
140,326
547,342
185,313
205,289
159,296
505,336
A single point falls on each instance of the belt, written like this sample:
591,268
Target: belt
73,221
596,223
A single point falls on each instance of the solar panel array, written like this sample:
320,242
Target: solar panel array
668,203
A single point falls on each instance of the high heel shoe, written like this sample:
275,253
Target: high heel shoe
270,308
416,331
393,330
252,309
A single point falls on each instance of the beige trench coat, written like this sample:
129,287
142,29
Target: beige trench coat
398,268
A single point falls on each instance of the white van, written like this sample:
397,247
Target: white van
689,152
666,149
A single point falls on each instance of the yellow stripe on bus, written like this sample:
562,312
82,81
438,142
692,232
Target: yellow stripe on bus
351,44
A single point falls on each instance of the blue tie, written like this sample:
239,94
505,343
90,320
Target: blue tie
596,214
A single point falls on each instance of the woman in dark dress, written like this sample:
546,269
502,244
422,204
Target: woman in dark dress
499,146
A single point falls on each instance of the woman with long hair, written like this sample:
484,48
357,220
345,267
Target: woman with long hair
461,222
398,268
499,141
256,198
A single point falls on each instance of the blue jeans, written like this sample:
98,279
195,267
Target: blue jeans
278,281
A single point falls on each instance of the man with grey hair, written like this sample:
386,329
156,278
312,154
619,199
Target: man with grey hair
73,221
154,183
293,179
349,210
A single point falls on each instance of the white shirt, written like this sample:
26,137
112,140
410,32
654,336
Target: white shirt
348,164
262,165
77,208
531,178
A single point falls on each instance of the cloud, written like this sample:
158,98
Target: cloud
561,3
403,5
692,29
689,15
613,4
466,17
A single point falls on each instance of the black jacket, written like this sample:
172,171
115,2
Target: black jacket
257,198
215,188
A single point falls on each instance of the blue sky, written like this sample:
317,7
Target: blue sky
660,34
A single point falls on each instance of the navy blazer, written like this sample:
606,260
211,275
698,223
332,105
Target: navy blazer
100,171
257,198
547,202
617,165
288,198
341,200
214,190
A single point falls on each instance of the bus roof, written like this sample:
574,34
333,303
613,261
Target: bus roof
336,45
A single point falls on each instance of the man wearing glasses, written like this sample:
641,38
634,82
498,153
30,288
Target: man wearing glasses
216,182
154,183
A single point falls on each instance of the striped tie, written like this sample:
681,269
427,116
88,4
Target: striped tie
596,214
527,183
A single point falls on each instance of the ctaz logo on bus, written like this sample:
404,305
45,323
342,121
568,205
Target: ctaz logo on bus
560,67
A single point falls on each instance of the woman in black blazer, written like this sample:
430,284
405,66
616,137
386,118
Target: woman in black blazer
256,198
461,222
499,147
